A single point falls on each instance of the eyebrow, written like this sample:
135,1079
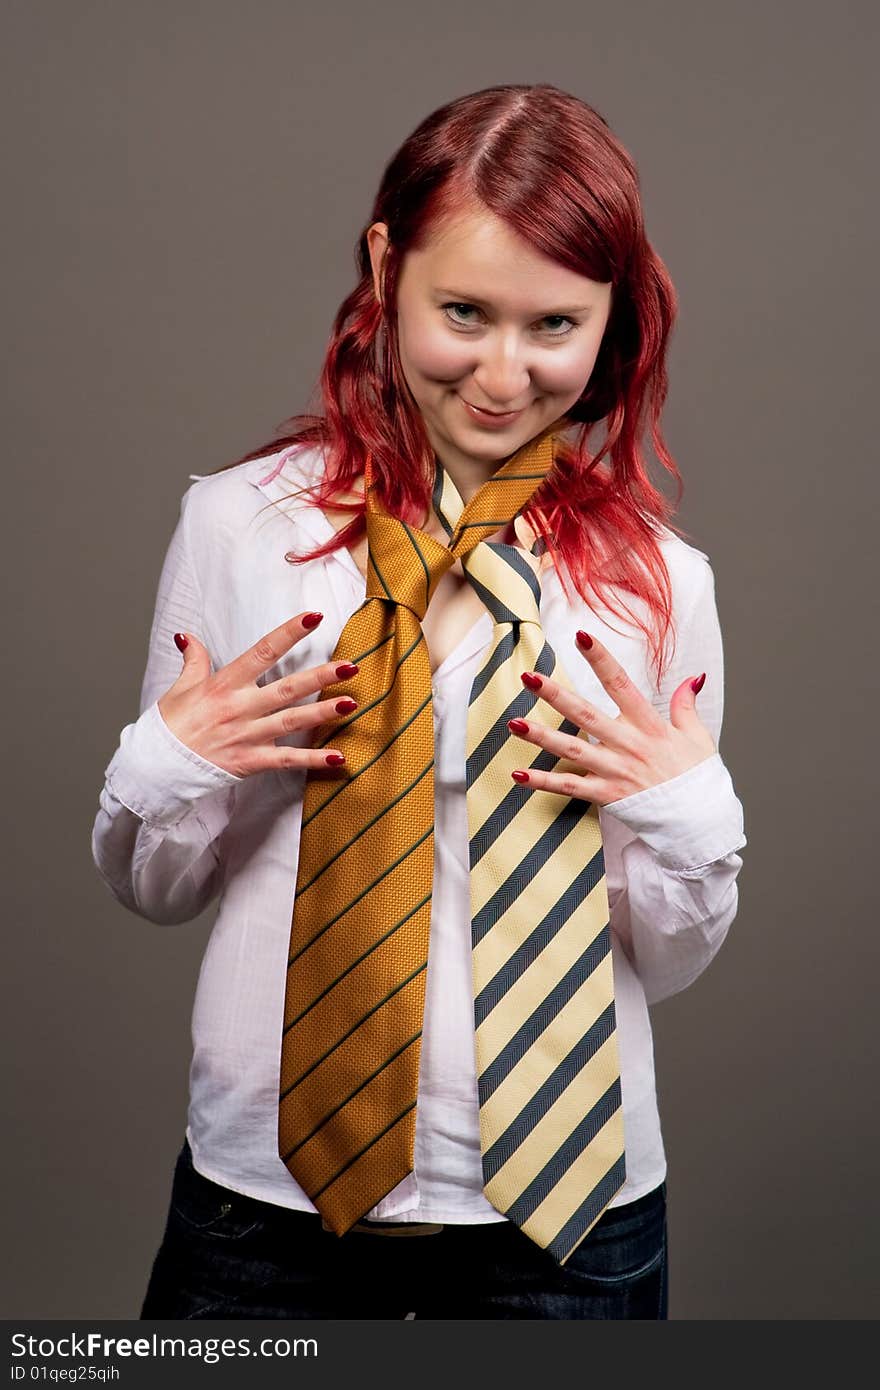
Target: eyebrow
483,304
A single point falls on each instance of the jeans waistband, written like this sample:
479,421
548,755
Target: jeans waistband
411,1228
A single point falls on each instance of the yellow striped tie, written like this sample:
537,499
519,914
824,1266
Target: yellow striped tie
550,1118
548,1072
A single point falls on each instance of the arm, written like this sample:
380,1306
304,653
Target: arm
678,894
163,808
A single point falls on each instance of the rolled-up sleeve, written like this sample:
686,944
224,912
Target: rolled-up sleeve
163,808
674,895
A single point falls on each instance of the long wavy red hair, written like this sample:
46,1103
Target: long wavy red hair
548,165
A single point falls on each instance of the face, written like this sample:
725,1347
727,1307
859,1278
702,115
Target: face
485,321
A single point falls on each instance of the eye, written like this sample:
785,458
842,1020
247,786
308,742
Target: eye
447,307
560,319
557,318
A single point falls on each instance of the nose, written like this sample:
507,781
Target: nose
502,375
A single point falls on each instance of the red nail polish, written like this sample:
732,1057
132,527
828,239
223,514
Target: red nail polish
335,759
533,682
517,726
181,641
584,640
346,706
697,685
346,669
520,776
311,620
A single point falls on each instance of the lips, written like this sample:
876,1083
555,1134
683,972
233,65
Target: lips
500,417
492,412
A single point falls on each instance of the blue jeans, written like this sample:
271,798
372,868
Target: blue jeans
224,1255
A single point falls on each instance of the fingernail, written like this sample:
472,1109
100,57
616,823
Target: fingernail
311,620
533,682
517,726
697,685
520,776
335,759
346,706
584,640
181,641
346,669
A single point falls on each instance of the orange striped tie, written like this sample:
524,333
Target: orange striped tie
355,989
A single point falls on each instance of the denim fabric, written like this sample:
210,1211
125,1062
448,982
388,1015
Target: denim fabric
224,1255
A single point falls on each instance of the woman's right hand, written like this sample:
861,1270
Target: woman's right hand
225,717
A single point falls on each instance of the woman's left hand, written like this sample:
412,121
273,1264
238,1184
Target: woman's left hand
637,749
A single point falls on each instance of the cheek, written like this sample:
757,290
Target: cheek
566,373
432,354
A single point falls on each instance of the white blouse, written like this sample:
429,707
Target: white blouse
174,832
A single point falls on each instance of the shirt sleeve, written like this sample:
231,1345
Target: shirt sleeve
674,894
163,808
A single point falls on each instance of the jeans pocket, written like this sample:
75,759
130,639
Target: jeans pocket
200,1205
623,1247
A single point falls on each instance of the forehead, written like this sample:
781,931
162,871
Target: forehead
475,252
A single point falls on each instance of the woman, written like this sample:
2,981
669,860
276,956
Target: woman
508,303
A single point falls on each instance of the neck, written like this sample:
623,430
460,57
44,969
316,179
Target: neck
470,474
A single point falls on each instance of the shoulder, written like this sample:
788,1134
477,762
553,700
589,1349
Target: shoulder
231,499
690,569
691,581
690,577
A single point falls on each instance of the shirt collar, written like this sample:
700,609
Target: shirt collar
280,475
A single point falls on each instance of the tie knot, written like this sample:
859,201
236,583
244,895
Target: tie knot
405,564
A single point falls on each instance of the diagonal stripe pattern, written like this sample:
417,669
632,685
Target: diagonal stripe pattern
548,1074
355,987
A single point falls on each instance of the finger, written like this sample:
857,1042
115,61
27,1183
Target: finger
196,661
245,668
683,704
568,784
589,757
334,713
297,684
622,689
575,708
290,758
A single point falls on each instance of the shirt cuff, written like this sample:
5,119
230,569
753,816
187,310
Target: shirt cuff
690,820
157,776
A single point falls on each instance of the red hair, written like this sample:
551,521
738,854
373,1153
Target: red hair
546,164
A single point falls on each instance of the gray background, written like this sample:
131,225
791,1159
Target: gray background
184,186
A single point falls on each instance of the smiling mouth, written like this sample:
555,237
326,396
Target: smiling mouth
496,414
